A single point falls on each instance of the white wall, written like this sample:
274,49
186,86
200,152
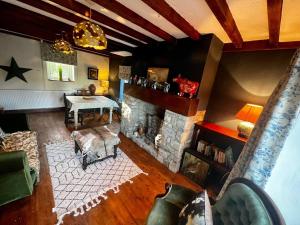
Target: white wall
39,92
284,183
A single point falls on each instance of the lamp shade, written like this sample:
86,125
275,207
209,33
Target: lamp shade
250,113
89,35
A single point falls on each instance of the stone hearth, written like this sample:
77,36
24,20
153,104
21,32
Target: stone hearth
176,130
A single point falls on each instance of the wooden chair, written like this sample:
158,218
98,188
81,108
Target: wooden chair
69,116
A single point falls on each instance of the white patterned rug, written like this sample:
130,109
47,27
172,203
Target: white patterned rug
76,191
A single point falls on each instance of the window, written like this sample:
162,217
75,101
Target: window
60,71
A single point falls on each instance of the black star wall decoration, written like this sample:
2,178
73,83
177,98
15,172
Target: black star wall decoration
14,70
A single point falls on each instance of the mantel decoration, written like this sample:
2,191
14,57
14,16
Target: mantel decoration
186,86
14,70
89,35
61,45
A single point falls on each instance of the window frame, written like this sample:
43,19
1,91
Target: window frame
59,67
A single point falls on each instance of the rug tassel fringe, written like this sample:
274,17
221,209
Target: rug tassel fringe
116,189
86,207
104,196
60,218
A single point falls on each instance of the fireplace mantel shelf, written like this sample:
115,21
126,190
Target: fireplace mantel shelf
174,103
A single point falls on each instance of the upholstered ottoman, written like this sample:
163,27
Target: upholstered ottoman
97,144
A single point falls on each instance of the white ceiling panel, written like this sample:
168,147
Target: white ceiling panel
290,21
152,16
44,13
199,15
116,17
86,18
251,18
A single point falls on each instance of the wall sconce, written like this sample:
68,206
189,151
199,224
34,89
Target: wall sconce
249,114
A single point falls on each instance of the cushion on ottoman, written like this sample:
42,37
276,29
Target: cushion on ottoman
88,140
114,127
109,137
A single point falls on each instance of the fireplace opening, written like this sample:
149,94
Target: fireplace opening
148,132
154,124
162,133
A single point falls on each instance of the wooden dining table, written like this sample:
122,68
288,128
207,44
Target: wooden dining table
91,102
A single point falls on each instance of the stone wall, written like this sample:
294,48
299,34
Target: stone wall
176,131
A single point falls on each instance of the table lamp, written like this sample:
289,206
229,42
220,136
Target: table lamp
249,115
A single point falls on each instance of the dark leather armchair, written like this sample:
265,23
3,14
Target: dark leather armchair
243,203
17,179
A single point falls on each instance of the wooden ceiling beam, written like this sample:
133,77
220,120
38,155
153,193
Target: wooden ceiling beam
261,45
164,9
76,19
22,22
99,17
222,12
274,20
135,18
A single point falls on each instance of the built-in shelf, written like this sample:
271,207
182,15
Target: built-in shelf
222,130
217,166
181,105
222,138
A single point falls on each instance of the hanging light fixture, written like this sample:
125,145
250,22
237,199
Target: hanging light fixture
89,35
62,45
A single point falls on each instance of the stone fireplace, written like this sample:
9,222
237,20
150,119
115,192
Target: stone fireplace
173,131
168,120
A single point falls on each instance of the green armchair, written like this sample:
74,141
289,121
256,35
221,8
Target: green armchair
17,179
243,203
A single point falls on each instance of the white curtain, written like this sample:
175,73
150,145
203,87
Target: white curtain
68,72
260,153
52,70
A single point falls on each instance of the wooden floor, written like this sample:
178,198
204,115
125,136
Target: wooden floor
130,206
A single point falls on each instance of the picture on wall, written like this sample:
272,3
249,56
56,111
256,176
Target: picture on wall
92,73
159,75
194,168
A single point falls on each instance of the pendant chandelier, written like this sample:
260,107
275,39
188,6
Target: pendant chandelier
62,45
89,35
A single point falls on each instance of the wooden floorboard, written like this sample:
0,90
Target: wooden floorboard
130,206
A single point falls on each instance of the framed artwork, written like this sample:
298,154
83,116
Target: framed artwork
92,73
124,72
194,168
159,75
